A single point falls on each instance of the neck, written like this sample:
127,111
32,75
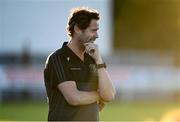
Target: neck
77,48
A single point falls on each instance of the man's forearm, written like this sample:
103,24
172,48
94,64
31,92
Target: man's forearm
87,97
106,89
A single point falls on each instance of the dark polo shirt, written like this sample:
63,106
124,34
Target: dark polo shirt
64,65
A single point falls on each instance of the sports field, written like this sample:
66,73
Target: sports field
113,111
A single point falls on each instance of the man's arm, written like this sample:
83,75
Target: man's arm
106,89
75,97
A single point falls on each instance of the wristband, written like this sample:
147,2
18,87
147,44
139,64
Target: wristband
98,66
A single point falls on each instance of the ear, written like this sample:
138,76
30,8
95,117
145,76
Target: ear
77,30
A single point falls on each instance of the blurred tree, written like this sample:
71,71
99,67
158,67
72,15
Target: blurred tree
147,24
26,55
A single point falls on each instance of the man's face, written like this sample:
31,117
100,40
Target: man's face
91,33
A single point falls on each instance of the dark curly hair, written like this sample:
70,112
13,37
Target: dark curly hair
81,17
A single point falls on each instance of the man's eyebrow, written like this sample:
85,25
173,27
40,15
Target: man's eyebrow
95,29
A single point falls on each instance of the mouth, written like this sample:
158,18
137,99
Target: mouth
90,41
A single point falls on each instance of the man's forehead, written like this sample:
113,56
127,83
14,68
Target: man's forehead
94,23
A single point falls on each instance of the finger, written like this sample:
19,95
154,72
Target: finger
101,105
90,49
86,44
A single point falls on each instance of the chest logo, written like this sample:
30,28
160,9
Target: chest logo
68,58
92,67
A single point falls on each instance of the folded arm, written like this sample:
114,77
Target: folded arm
75,97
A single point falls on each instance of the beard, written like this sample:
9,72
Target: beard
89,40
83,41
81,45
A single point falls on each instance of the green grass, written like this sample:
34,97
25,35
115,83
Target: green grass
112,111
136,111
23,111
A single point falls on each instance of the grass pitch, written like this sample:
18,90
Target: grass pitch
112,111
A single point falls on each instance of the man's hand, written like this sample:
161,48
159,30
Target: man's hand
101,104
93,51
106,88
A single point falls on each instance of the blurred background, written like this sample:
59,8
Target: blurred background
138,39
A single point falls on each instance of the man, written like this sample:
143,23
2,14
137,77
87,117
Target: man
75,75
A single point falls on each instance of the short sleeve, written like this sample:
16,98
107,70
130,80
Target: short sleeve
59,69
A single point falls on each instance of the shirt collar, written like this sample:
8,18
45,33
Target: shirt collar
71,54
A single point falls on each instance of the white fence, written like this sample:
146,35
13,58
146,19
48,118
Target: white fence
139,83
132,83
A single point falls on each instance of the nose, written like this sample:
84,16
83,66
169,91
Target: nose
97,36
